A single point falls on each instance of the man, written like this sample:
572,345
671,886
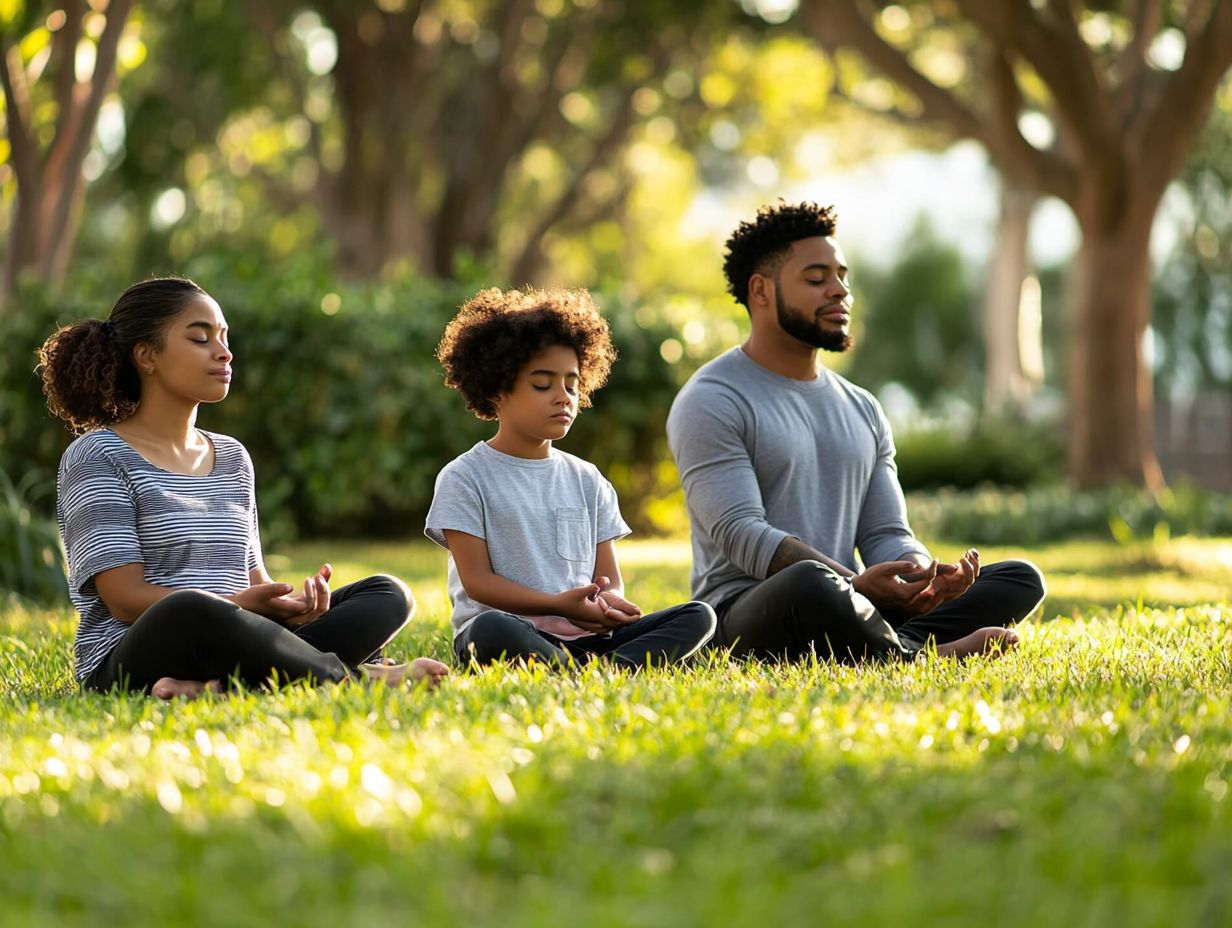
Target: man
788,469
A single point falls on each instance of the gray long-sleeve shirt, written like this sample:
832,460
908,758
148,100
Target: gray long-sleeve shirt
763,457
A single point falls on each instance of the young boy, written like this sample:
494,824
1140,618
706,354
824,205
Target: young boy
531,530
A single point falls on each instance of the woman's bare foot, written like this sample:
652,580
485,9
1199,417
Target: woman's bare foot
392,673
427,671
992,641
171,688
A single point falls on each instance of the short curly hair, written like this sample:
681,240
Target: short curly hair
761,246
496,333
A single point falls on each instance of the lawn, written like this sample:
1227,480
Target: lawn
1081,780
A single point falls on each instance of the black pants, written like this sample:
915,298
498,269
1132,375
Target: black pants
808,607
665,637
195,635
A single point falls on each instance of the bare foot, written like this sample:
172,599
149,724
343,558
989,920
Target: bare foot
427,671
171,688
992,641
392,673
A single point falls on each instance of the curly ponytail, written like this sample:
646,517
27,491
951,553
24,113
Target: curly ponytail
88,373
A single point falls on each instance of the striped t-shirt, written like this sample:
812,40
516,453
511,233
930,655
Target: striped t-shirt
187,532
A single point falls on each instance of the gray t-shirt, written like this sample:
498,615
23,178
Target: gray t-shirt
763,457
542,520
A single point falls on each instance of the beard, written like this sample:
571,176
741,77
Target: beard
808,330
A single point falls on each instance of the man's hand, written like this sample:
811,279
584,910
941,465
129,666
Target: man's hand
953,580
899,588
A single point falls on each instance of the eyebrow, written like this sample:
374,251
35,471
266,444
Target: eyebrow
208,326
821,266
548,373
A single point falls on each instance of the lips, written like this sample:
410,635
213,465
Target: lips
222,373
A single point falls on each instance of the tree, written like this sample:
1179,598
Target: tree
50,114
437,107
1126,87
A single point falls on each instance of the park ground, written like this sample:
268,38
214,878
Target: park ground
1082,779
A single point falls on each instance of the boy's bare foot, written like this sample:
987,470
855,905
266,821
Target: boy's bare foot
171,688
393,673
992,641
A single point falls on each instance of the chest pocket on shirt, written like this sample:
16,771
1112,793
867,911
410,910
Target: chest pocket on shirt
573,535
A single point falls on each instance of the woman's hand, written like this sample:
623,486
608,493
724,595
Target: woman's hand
273,600
314,601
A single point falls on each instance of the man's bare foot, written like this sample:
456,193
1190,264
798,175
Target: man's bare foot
393,673
992,641
171,688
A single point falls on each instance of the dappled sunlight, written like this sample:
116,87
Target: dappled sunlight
1108,729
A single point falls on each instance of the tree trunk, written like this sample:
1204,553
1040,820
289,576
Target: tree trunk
1110,395
1006,385
50,184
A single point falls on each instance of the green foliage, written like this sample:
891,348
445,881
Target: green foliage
1083,779
338,395
917,322
1192,304
31,561
1007,454
1044,514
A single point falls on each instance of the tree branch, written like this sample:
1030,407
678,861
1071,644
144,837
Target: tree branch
838,23
67,154
64,56
1186,97
600,155
25,156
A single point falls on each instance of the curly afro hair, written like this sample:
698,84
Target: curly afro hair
496,333
761,245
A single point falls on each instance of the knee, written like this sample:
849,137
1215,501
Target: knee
699,620
1028,578
397,593
490,635
813,584
190,607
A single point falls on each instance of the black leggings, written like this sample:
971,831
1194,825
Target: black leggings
195,635
658,639
809,608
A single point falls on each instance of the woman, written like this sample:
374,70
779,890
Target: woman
159,520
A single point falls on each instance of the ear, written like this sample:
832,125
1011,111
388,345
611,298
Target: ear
143,357
761,290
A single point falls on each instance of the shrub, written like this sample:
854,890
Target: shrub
1045,514
339,398
31,560
1000,453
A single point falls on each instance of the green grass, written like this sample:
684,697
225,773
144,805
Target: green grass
1081,780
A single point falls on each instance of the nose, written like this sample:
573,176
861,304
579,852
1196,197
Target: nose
224,353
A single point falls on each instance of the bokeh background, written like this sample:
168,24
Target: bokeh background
1035,200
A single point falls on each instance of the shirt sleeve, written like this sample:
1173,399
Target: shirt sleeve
609,524
98,517
706,432
883,533
457,505
254,557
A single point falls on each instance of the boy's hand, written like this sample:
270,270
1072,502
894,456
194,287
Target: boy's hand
618,603
588,610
